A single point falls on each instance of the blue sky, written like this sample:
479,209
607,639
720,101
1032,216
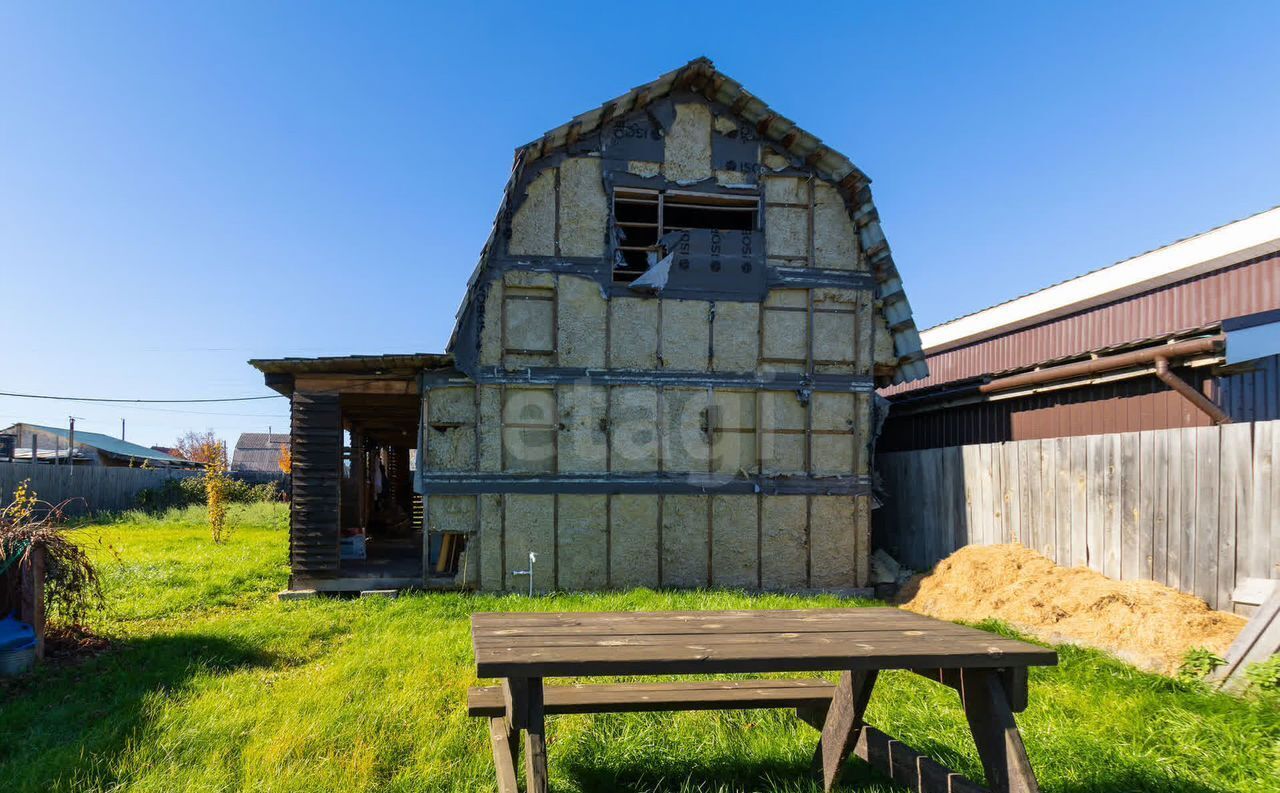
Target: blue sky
185,186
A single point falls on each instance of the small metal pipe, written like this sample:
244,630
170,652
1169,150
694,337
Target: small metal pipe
1202,402
533,557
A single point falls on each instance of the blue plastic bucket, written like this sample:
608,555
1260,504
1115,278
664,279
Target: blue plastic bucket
18,660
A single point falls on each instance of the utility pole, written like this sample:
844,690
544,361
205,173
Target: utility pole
71,447
122,429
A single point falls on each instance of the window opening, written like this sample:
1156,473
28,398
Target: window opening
643,216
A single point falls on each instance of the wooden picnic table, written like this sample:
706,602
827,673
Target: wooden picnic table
523,649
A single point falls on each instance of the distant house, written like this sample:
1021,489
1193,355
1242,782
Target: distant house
54,444
259,452
169,450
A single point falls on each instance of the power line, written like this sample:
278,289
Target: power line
149,401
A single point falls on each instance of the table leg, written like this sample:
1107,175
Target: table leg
535,745
524,700
504,742
1004,758
844,723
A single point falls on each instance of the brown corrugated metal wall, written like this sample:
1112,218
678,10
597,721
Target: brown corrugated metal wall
1246,393
1245,288
1142,403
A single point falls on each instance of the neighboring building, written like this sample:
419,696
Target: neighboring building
54,444
169,450
258,452
662,372
1186,335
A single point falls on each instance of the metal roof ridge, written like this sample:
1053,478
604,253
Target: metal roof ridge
1257,230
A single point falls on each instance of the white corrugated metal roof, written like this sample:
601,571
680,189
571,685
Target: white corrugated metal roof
1212,250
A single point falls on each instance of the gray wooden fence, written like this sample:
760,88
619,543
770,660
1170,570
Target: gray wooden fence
1197,508
96,488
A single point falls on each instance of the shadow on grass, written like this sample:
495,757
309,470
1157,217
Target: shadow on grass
691,776
784,777
65,727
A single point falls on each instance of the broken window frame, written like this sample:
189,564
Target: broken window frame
749,204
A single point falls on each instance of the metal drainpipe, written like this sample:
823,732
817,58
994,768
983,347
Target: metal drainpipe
1202,402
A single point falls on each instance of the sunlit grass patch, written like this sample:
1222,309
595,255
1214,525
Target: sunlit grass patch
215,685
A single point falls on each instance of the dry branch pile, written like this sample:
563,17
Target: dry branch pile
28,525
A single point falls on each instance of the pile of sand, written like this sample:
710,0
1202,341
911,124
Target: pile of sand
1147,624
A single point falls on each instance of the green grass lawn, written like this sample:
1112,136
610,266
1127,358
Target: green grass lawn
214,685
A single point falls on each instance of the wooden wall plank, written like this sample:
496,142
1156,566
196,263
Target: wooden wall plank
972,493
1028,528
1096,494
985,510
1208,444
1274,520
1064,517
1129,481
1145,508
1048,497
1012,530
1190,494
1160,465
1079,502
1253,550
1235,490
1111,535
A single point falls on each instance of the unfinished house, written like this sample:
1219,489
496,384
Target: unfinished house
662,374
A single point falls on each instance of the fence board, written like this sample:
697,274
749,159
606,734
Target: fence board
1128,483
1190,492
1145,516
1273,568
1079,502
1254,551
1063,488
986,508
1159,467
1012,529
1208,446
1195,508
1235,490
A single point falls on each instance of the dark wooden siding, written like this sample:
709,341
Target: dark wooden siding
317,469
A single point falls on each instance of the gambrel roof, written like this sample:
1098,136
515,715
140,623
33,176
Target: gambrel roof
784,136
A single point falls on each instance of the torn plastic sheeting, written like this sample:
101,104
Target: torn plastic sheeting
725,262
654,280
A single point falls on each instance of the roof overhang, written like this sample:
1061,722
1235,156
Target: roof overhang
348,372
1219,248
354,364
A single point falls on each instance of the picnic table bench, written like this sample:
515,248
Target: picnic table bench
523,649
